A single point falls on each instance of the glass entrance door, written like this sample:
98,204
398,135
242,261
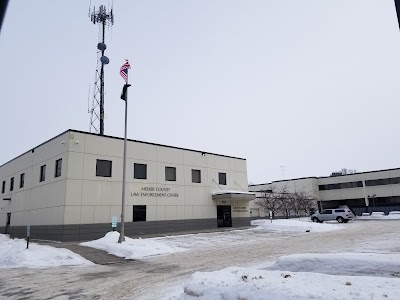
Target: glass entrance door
224,217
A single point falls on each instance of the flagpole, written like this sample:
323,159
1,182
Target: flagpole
122,231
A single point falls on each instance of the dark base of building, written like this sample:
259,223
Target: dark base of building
85,232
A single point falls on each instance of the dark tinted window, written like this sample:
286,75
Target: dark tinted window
140,171
58,167
370,182
339,210
393,180
196,176
42,173
327,212
103,168
170,174
322,187
12,184
222,178
139,213
3,188
385,181
22,180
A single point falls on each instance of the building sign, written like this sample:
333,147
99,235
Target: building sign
151,191
240,209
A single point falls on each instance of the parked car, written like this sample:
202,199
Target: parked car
342,215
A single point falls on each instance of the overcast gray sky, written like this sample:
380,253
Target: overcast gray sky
311,85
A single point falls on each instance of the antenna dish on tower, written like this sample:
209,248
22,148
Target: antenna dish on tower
101,46
104,60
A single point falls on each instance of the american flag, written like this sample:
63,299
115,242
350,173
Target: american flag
124,70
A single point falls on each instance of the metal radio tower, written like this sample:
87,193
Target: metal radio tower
103,18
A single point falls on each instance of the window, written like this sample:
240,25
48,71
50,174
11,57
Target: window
339,210
170,174
139,213
42,173
12,184
349,185
326,212
3,188
57,172
385,181
393,180
140,171
196,176
222,178
322,187
370,182
103,168
21,180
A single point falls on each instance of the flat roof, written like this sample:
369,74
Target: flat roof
120,138
321,177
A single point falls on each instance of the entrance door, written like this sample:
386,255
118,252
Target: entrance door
224,218
8,223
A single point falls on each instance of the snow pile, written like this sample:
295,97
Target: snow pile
13,254
371,264
131,248
380,217
246,283
295,225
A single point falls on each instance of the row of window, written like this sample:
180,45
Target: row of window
347,185
42,176
385,181
338,186
104,169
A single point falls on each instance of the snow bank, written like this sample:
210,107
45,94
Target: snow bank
371,264
323,276
295,225
131,248
13,254
244,283
380,217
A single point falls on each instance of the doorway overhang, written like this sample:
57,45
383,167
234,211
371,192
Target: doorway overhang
233,195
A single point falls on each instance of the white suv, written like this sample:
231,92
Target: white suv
342,215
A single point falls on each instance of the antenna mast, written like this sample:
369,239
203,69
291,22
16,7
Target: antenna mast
103,18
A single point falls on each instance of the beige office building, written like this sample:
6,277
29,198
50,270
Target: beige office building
362,192
70,188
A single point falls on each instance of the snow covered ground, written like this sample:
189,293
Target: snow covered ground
380,217
254,284
301,224
131,248
13,254
360,261
304,276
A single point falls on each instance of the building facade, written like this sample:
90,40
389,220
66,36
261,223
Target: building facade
70,188
361,192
